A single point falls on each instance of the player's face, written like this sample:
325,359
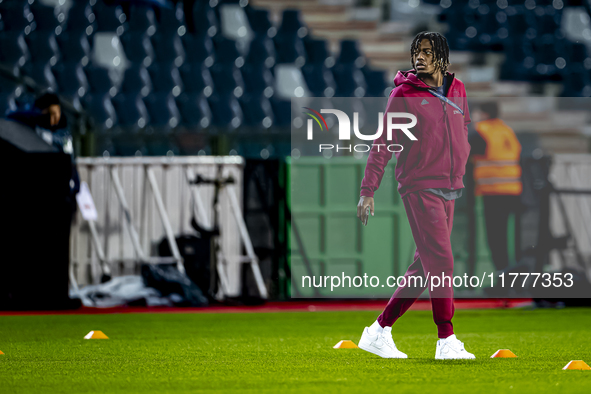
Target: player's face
55,114
423,60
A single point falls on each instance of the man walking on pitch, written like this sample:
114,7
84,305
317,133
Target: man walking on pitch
429,173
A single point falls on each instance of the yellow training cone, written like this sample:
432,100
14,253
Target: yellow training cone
577,364
346,344
503,353
96,335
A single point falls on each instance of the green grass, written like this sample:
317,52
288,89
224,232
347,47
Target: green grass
290,352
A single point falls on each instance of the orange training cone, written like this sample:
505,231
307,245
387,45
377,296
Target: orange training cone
577,364
96,335
503,353
1,352
345,344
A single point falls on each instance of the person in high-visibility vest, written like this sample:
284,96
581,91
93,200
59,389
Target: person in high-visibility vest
495,153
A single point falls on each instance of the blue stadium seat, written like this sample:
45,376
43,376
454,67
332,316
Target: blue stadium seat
138,47
290,49
102,111
351,54
164,114
546,56
257,110
16,16
171,20
519,61
261,51
196,79
70,78
48,19
100,80
258,79
10,86
129,144
42,75
549,27
226,111
168,48
109,17
166,78
292,24
142,19
227,79
131,112
136,80
350,81
195,112
227,52
158,145
205,20
319,79
14,52
43,47
74,47
199,49
522,25
317,52
282,112
260,22
81,18
577,84
377,86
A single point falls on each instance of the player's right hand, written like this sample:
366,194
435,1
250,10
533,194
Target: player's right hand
364,202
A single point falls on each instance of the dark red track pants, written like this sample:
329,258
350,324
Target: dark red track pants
431,221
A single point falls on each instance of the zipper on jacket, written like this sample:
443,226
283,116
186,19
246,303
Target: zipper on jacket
450,145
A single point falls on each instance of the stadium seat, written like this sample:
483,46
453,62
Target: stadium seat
546,57
227,52
47,19
195,112
521,25
164,114
199,49
131,112
168,47
377,86
234,23
292,25
261,51
519,61
282,112
227,79
166,78
81,18
226,111
42,75
99,80
577,84
260,22
549,28
136,80
317,52
257,111
290,49
204,20
10,86
43,47
74,47
14,52
196,79
16,16
158,145
138,47
350,81
102,111
289,82
109,17
171,20
141,19
258,79
319,79
71,79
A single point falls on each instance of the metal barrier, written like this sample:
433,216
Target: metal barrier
570,211
142,200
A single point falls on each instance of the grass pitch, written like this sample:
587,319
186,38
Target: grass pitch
290,352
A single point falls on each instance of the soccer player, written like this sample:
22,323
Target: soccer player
429,173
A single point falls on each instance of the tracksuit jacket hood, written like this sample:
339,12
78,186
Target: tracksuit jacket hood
438,158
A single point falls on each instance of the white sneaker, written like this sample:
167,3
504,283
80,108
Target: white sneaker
451,348
381,344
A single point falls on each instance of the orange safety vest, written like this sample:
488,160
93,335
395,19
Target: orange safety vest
497,172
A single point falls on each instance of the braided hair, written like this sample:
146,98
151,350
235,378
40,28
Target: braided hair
440,49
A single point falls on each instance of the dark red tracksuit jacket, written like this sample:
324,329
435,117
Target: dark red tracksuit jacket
438,158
